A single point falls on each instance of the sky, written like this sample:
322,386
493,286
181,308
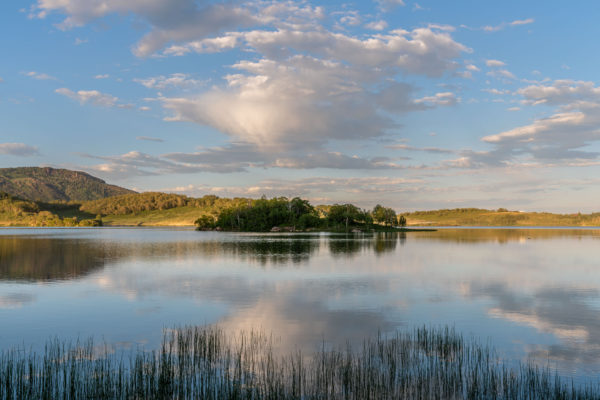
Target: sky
412,104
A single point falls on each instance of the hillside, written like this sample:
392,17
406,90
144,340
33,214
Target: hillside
500,217
19,212
50,184
157,209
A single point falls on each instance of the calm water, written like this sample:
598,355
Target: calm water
532,293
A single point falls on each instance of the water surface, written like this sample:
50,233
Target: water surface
532,293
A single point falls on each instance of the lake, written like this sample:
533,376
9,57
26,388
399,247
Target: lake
534,294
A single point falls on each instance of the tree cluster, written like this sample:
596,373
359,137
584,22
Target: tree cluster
384,215
296,214
262,215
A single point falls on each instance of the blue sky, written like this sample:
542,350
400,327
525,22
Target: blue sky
416,105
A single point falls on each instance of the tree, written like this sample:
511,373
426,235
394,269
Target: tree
379,214
402,221
389,216
343,214
205,222
384,215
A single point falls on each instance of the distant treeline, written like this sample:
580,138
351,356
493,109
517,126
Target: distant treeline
149,201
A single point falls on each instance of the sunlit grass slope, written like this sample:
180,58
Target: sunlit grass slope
500,217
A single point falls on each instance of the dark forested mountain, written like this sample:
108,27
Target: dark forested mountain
50,184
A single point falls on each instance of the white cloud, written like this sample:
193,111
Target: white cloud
170,20
303,101
387,5
561,92
228,159
18,149
209,45
517,22
102,76
351,18
79,41
501,74
522,22
528,133
565,136
472,68
38,75
497,92
464,74
302,87
440,99
90,96
423,51
336,189
311,87
177,80
495,63
377,25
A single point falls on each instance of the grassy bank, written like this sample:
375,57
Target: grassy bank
500,217
205,363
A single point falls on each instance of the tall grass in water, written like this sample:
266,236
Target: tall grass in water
205,363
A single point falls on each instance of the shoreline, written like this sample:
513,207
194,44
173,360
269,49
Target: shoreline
428,228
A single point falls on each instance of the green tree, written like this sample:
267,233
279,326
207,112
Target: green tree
205,222
378,214
402,221
389,216
343,214
384,215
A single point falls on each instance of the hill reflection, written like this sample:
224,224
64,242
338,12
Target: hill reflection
48,259
45,258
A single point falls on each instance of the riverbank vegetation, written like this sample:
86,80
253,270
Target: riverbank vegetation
167,209
206,363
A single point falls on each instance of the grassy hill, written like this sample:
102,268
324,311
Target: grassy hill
157,209
51,185
15,211
500,217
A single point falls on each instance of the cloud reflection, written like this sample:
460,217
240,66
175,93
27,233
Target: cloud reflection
571,314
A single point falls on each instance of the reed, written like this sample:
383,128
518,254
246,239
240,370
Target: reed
206,363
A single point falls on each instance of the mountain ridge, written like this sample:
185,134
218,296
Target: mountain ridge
48,184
